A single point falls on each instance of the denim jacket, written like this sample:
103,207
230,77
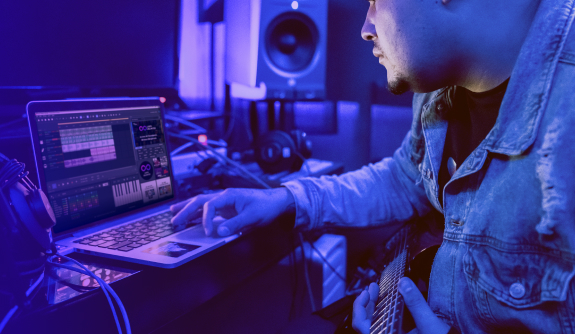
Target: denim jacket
507,259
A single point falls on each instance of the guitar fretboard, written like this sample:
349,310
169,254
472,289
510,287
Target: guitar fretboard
388,314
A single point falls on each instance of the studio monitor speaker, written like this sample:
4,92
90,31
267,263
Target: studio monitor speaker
281,43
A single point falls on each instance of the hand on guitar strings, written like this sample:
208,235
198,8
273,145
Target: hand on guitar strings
425,320
363,308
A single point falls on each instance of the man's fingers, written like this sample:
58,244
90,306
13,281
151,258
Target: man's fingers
373,291
179,206
212,206
234,224
360,321
188,212
425,320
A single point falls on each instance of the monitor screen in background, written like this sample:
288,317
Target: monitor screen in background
92,44
100,163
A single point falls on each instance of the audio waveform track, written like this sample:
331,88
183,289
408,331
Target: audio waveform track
95,144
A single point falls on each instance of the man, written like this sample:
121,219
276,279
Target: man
491,147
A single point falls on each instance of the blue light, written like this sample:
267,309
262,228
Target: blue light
294,5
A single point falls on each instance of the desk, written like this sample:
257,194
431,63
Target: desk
155,297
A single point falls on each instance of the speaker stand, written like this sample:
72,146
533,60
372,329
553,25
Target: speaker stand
284,110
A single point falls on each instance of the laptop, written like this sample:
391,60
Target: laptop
106,170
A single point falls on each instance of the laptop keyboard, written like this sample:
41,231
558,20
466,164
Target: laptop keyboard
133,235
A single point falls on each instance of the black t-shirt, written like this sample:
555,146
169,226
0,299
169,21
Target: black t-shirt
471,119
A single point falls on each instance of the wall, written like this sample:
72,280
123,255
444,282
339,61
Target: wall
354,74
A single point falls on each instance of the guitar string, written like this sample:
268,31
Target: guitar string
385,280
381,307
391,275
390,320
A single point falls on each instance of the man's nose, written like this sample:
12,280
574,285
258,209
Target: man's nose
368,30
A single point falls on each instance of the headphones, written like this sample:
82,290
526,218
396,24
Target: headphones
26,221
277,151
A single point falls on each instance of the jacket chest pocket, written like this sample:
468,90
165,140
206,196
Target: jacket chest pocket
518,279
513,287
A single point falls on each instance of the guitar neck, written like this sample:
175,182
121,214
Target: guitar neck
388,315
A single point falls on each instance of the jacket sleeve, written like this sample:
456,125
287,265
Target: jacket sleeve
388,191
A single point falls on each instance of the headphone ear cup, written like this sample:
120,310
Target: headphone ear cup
18,198
275,152
41,208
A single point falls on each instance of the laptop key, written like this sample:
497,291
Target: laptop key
144,242
152,238
125,249
109,238
96,243
108,244
135,245
120,244
120,239
164,234
85,241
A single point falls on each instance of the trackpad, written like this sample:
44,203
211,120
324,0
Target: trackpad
195,233
171,249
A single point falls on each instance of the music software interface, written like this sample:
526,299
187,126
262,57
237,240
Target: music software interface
99,163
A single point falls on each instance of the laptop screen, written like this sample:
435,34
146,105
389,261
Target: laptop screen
97,163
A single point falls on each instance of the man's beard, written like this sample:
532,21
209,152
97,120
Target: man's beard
397,86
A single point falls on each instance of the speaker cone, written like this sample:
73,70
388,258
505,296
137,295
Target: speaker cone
291,42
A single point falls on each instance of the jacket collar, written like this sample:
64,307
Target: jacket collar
528,91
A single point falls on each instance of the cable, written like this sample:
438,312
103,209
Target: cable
7,317
38,281
230,128
294,273
223,157
311,299
109,288
181,148
180,120
59,265
13,310
14,121
11,171
105,288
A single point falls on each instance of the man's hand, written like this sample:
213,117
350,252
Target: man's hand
241,207
363,308
425,320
